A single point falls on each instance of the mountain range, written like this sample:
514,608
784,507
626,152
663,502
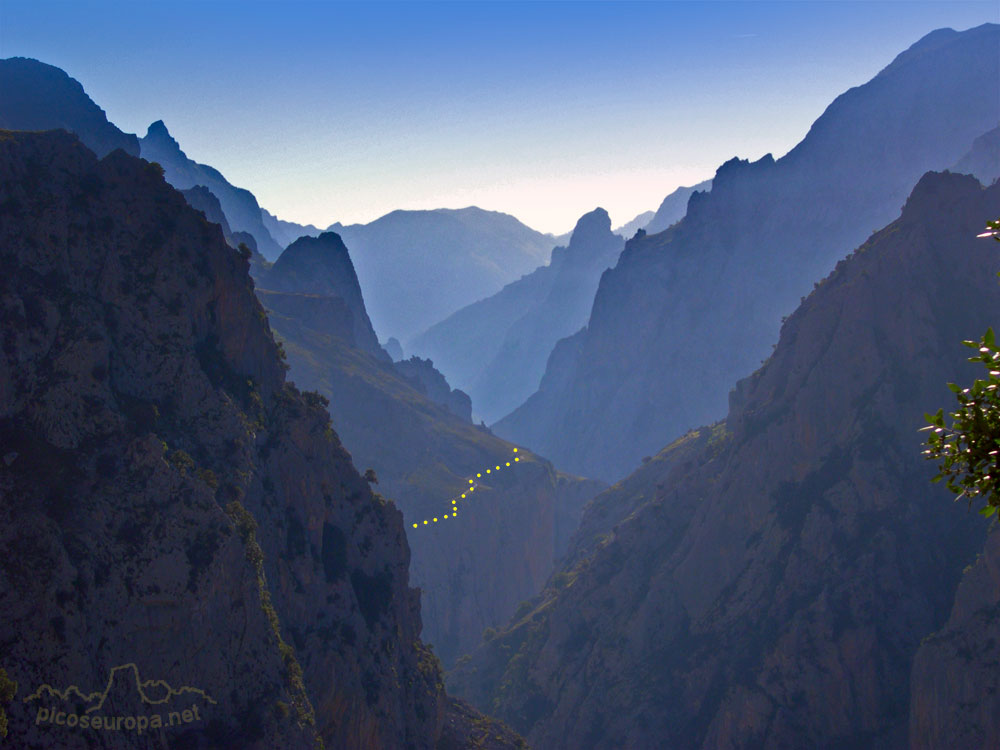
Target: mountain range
688,311
776,579
418,267
404,422
167,498
495,349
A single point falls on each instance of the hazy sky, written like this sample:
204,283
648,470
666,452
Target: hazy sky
345,111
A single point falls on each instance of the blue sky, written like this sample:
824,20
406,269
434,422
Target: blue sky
345,111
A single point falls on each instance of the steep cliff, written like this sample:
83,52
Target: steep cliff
766,582
673,208
472,570
37,96
496,348
651,363
176,521
955,687
322,266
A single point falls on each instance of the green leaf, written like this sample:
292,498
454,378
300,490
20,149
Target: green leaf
988,511
988,338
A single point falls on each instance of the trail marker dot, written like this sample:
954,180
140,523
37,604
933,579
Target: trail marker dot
478,475
414,525
508,463
445,515
515,450
435,520
517,459
425,521
487,471
463,495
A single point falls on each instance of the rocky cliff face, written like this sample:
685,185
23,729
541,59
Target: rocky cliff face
418,267
322,266
173,515
673,208
497,347
239,205
954,687
767,582
36,96
688,311
472,570
432,384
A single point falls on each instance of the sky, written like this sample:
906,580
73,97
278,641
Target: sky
332,111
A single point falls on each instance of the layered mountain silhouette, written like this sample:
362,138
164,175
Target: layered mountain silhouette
239,205
687,311
167,497
768,581
418,267
673,208
496,349
286,232
404,421
37,96
983,159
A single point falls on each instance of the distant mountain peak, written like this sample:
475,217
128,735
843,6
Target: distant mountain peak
595,222
38,96
157,133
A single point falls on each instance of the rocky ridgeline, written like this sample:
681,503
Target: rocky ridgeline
768,581
167,499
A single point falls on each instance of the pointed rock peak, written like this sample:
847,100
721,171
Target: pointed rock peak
158,134
595,223
936,190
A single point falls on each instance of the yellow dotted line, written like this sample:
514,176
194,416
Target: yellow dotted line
453,510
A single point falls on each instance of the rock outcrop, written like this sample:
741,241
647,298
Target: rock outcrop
496,348
766,582
431,383
175,518
687,312
322,266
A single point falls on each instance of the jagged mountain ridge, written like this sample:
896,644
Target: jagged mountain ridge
286,232
673,208
37,96
496,348
687,311
766,582
166,497
240,206
418,267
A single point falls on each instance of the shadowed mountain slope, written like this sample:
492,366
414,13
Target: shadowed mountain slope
767,581
239,205
170,507
688,311
418,267
496,349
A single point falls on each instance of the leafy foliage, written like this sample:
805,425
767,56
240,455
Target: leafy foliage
969,448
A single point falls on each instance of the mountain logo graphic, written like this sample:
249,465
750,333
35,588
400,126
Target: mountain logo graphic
127,702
